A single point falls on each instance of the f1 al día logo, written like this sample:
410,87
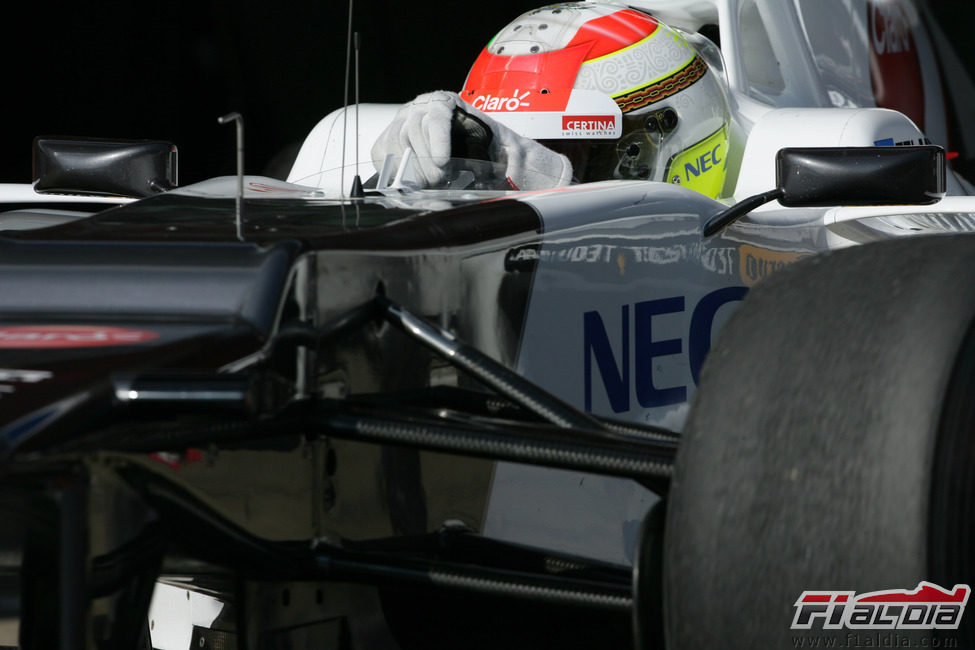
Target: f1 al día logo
929,607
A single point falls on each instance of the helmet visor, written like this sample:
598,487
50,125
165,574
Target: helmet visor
634,156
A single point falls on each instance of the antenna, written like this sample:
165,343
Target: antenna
239,119
357,192
345,101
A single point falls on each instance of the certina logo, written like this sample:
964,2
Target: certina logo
588,124
928,607
492,103
70,336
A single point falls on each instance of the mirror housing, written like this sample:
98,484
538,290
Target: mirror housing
819,177
814,177
136,168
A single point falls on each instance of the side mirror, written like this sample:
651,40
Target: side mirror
817,177
114,167
812,177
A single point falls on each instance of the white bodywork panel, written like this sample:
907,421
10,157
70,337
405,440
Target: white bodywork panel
24,193
819,127
173,613
622,270
325,163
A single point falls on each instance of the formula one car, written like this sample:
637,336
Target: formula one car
476,417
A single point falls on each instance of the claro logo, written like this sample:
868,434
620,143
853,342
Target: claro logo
494,103
889,29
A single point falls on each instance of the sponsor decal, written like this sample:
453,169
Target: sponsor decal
928,607
895,71
625,377
524,258
890,32
912,142
722,261
518,100
756,264
70,336
553,114
701,166
495,103
574,126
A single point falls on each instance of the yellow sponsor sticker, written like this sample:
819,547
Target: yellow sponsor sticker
701,167
758,263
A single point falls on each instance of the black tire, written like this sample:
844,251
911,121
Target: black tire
830,445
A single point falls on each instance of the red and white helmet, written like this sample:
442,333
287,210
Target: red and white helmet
617,91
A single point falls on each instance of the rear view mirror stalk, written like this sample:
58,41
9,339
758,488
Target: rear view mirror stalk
818,177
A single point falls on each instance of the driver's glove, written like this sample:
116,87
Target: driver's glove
440,125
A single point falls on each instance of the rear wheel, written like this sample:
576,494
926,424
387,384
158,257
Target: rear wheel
830,446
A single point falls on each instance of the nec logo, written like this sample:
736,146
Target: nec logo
703,164
588,122
614,372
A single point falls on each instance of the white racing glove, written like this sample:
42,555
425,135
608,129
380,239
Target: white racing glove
440,124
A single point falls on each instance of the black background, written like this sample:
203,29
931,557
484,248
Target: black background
168,70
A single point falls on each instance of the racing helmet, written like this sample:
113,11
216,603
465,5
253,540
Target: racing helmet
617,91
